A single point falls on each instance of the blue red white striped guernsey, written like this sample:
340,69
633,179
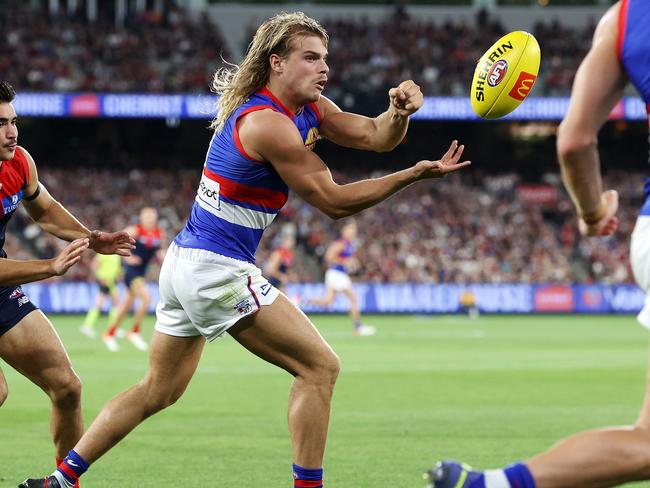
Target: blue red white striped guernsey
238,197
14,177
633,48
346,253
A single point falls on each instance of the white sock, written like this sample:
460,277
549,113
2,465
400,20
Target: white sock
496,478
61,479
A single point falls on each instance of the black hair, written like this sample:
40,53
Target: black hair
7,92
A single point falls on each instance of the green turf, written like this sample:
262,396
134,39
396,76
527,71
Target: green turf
488,391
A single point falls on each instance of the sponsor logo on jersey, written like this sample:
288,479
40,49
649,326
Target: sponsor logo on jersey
497,72
22,301
523,86
10,203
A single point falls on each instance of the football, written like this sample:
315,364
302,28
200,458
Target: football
505,75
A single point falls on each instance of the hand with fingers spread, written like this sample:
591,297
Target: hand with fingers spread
70,256
602,222
112,243
406,98
447,164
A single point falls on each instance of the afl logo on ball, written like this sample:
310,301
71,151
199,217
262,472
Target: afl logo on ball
497,72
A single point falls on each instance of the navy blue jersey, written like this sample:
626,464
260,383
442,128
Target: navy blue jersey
14,176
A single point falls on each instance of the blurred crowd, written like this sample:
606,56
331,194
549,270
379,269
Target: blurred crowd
179,52
471,228
149,53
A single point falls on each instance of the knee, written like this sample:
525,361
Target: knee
326,370
67,392
159,397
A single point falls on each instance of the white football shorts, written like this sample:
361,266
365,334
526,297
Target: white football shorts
337,280
640,260
204,293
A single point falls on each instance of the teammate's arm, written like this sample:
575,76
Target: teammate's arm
598,85
306,174
382,133
52,217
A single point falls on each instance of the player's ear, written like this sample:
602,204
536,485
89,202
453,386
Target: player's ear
276,63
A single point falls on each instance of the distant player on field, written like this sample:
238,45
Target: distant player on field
148,237
271,114
28,342
107,269
618,455
278,266
341,261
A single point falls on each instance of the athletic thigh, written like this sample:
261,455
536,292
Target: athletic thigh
34,349
282,334
172,362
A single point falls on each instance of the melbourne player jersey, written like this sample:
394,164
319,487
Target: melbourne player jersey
14,176
634,53
286,259
147,242
238,197
346,253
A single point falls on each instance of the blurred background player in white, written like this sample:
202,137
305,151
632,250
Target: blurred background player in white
28,341
270,114
341,261
149,237
107,270
277,268
607,457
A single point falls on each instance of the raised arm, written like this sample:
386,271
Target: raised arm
310,178
52,217
598,85
382,133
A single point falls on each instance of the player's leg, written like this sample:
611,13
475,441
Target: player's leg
141,292
282,335
592,459
88,325
33,348
4,389
355,314
114,298
172,362
326,300
109,337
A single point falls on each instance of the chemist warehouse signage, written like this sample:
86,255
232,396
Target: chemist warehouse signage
408,298
179,106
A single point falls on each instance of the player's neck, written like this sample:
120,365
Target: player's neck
283,97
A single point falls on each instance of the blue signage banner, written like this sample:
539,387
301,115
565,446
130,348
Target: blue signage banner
409,298
183,106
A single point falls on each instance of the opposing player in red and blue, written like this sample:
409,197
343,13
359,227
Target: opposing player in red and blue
277,268
617,455
28,342
271,113
341,262
148,237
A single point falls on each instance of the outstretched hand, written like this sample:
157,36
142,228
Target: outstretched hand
406,98
112,242
70,256
447,164
608,223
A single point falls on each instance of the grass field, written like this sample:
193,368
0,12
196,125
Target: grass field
488,391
